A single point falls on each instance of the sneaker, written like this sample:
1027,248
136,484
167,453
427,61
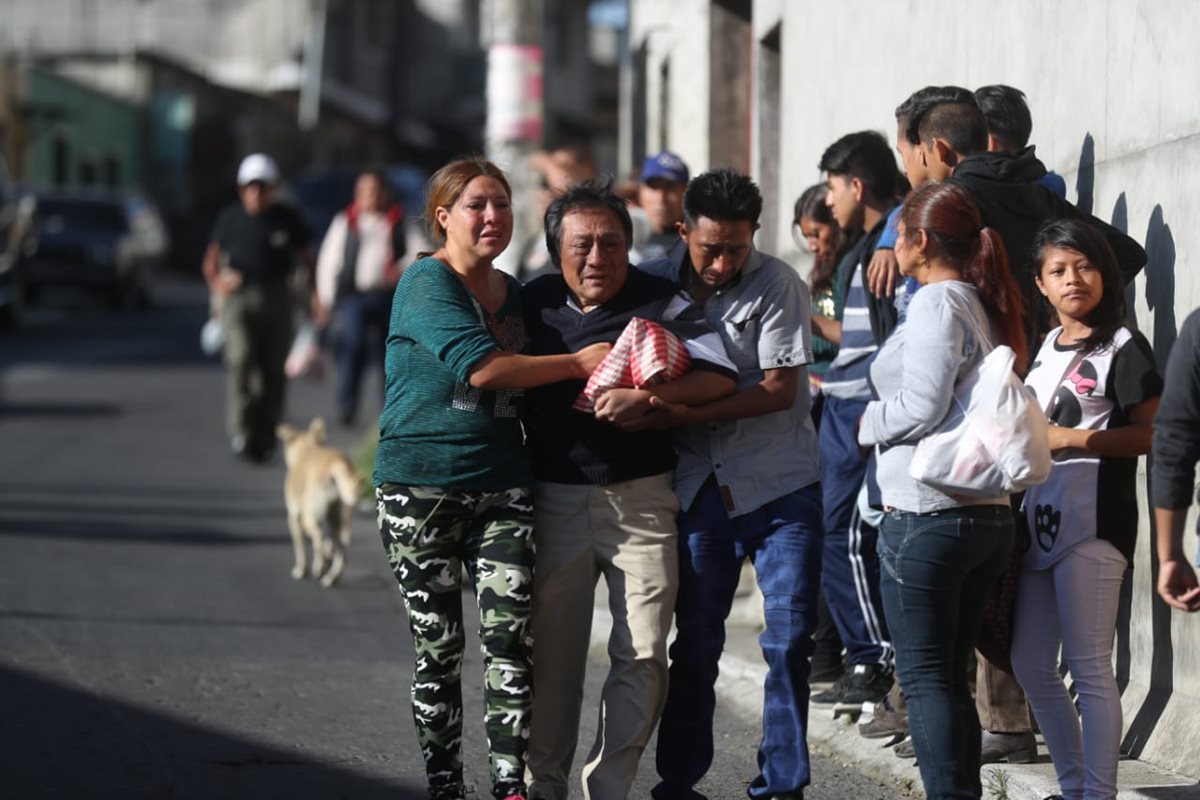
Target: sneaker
886,722
823,669
905,749
1015,748
864,683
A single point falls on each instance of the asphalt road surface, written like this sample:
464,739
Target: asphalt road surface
152,642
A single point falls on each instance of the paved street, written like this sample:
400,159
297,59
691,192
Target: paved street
152,642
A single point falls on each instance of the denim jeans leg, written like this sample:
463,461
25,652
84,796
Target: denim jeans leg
784,539
350,350
709,567
937,571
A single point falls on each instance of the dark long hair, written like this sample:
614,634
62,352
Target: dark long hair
951,220
811,204
1075,234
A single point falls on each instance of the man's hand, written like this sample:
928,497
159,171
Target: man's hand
1177,584
227,282
668,415
624,408
587,359
321,313
882,273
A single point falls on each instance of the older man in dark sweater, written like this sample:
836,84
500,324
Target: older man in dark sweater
603,496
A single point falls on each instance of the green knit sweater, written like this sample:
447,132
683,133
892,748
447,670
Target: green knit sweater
435,429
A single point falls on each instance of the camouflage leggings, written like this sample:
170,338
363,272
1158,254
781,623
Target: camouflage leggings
429,533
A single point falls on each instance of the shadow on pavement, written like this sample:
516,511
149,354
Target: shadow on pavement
1172,792
67,410
137,505
183,622
125,529
62,742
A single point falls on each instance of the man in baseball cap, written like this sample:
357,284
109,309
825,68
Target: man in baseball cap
259,168
254,249
660,195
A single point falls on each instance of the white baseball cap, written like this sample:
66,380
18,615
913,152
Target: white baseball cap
257,167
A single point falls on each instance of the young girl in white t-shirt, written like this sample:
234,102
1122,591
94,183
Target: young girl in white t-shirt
1098,382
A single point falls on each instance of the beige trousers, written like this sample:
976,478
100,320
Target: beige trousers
999,699
625,532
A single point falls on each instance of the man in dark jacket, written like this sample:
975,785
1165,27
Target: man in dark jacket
1175,452
1004,186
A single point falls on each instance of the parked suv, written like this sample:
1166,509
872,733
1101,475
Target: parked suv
98,242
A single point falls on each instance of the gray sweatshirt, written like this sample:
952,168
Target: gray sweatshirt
914,375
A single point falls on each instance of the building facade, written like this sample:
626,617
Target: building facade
766,85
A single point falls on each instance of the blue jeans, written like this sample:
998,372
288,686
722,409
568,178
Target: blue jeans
361,321
938,569
783,541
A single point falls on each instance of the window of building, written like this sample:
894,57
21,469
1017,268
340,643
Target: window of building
731,43
767,168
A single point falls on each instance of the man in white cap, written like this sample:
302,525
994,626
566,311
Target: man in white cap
254,249
660,196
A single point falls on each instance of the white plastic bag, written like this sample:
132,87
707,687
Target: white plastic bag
304,360
212,337
994,440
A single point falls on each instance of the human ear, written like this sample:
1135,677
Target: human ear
920,242
859,189
945,153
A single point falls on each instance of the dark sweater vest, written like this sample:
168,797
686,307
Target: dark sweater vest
571,446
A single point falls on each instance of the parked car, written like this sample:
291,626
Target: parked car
12,292
104,243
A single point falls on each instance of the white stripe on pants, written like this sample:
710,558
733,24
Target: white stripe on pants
1074,604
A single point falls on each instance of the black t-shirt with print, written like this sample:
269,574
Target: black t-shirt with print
261,246
1085,491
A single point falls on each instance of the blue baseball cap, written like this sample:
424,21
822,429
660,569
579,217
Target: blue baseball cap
665,165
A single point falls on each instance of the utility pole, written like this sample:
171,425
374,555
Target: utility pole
513,36
314,57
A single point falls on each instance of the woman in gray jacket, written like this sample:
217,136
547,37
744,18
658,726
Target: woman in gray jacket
940,553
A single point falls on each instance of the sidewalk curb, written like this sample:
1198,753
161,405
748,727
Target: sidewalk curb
740,685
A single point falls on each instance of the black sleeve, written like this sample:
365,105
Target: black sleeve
884,316
220,231
1176,447
301,234
1135,377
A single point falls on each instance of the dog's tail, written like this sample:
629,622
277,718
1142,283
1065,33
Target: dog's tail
348,482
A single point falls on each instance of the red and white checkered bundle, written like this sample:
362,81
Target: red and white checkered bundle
645,354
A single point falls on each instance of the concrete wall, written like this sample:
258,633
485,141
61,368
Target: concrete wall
1114,87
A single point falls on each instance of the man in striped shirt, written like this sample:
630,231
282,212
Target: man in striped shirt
864,183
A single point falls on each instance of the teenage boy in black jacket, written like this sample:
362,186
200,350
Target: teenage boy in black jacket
953,140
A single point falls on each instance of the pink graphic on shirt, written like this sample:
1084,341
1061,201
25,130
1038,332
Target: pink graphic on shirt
1084,377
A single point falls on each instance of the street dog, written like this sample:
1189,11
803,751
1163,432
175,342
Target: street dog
321,489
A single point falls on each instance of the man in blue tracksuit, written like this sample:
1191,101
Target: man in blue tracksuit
863,185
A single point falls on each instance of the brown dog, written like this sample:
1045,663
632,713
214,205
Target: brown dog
321,487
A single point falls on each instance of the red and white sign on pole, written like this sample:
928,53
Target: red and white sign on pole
514,93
